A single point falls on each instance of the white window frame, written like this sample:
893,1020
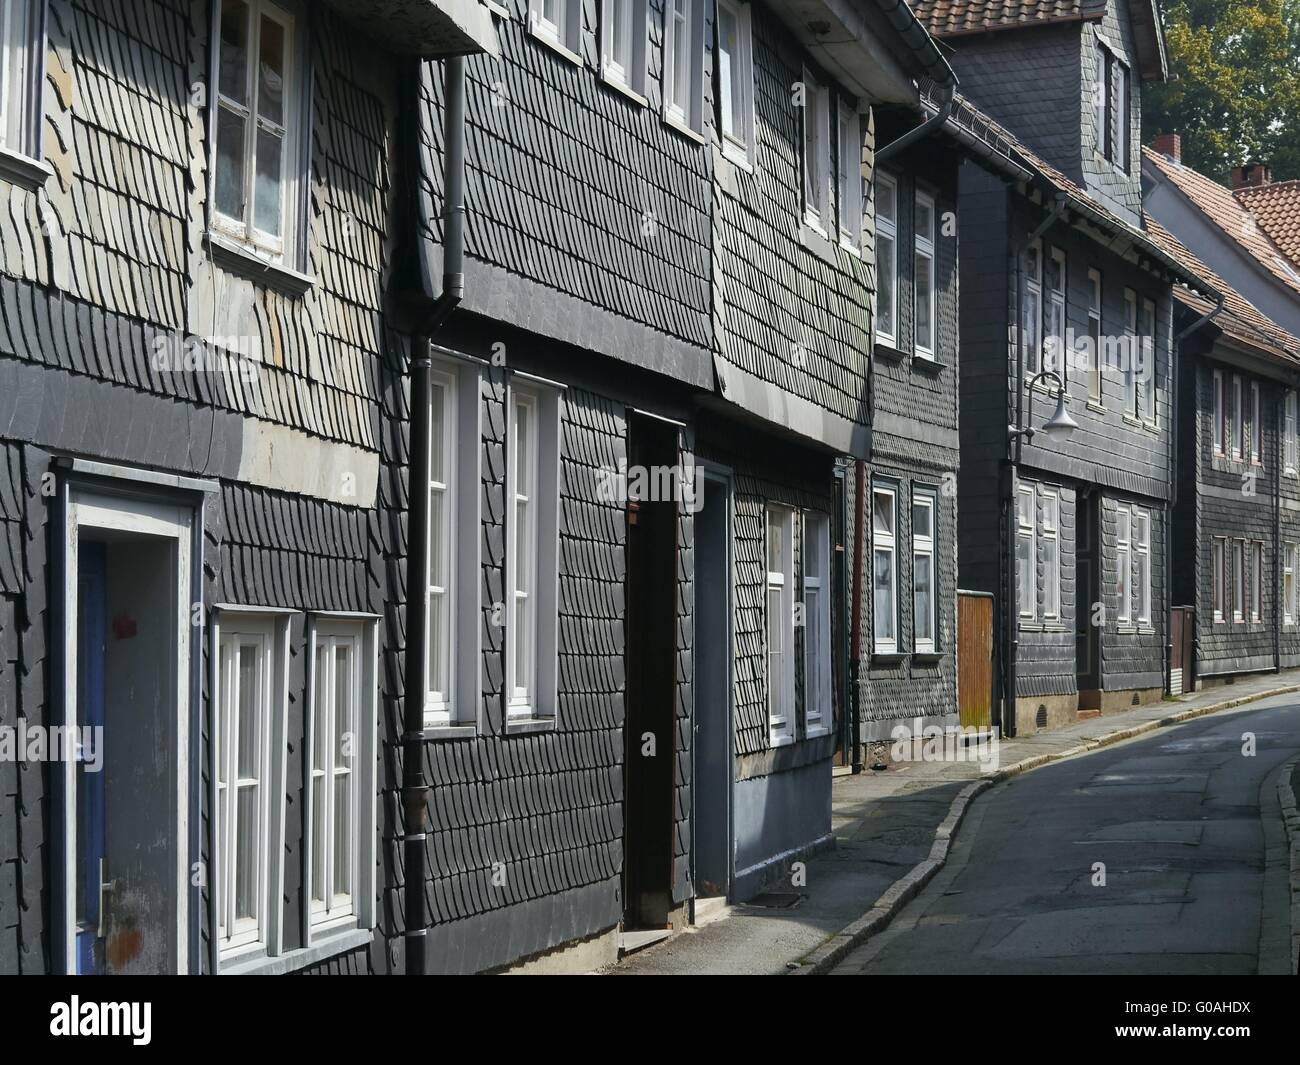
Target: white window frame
1027,533
1054,324
1220,410
1124,563
1290,554
1238,584
1238,420
780,584
623,56
1120,82
1141,533
1032,313
1095,296
268,630
1256,426
1218,577
818,710
561,32
1049,536
736,85
924,265
923,546
453,586
815,151
849,148
887,260
1146,389
1101,99
532,682
1289,434
285,249
1131,348
683,51
20,76
885,542
356,908
1256,609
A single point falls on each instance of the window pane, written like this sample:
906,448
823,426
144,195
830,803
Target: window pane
885,308
270,73
230,163
727,75
775,642
921,514
320,722
1025,573
924,296
883,512
249,725
343,689
923,596
681,55
885,202
775,543
884,595
246,831
318,838
924,220
233,77
523,450
343,834
269,190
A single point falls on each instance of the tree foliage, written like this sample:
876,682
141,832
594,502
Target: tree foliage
1234,85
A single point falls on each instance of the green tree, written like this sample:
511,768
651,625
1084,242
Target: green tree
1234,85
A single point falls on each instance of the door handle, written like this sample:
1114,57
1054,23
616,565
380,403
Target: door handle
106,888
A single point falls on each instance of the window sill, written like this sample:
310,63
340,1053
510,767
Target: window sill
887,349
22,170
1096,405
817,733
887,658
774,742
524,726
928,658
562,50
623,88
684,128
814,239
438,733
291,961
848,245
239,259
497,9
737,155
928,363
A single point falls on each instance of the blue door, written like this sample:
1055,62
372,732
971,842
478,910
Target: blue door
91,850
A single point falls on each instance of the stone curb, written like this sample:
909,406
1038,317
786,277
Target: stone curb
833,950
1291,822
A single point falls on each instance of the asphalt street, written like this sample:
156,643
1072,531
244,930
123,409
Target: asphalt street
1164,855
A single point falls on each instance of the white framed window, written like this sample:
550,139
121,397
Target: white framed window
736,81
1050,537
1238,580
1027,552
924,281
1100,107
1220,576
818,692
1124,564
19,69
1132,348
1238,418
683,63
557,22
532,547
886,258
924,578
1146,370
1142,565
816,153
1257,581
1094,336
250,698
342,747
1290,557
1219,429
1054,328
259,154
452,634
1032,313
1123,121
884,568
849,146
780,625
1256,426
623,27
1289,432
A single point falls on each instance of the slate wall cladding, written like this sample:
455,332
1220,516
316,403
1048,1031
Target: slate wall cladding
794,308
604,202
1117,185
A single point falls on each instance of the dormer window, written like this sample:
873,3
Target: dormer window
1111,106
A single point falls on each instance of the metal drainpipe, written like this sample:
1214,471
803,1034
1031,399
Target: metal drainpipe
415,785
1179,337
923,130
859,509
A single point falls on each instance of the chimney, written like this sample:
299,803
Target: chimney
1252,175
1169,144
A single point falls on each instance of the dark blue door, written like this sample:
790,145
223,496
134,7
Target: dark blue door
91,852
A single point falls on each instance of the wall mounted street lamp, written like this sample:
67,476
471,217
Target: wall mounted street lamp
1060,425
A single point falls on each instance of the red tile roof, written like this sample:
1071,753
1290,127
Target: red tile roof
1222,208
1276,207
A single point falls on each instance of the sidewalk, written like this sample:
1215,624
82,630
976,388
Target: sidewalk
891,833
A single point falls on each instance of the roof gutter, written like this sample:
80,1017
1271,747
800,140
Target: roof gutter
925,128
918,41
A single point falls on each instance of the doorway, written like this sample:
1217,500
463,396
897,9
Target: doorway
651,654
1087,593
126,785
711,802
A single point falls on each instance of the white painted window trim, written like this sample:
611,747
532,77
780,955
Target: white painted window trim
462,435
686,113
1032,312
1124,562
924,254
818,695
360,911
1054,313
815,149
1130,346
887,229
849,149
1147,388
1095,296
1238,584
1219,408
1292,444
736,73
885,541
563,31
1290,552
1100,101
1256,426
1049,533
623,61
285,250
1218,577
780,689
1027,530
1141,533
1238,416
532,692
923,545
1256,610
21,43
